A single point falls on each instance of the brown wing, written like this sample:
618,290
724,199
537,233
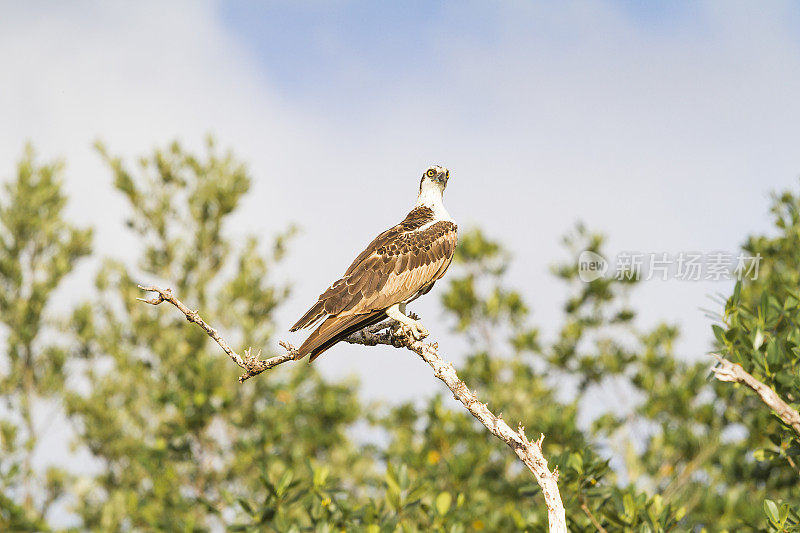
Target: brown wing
394,271
399,271
396,267
330,301
332,330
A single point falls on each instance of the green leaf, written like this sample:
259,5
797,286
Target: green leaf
575,462
393,499
443,501
772,511
773,354
719,333
391,479
763,307
417,494
657,505
627,504
284,482
402,477
784,513
321,476
737,293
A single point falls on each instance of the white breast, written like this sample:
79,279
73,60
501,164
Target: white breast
431,196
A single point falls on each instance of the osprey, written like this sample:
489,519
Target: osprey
400,265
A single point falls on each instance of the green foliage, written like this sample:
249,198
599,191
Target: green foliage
760,331
643,440
783,518
760,326
37,249
180,440
516,379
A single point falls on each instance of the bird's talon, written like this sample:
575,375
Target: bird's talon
402,330
418,331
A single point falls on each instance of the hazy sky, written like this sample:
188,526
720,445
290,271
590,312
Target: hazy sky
664,125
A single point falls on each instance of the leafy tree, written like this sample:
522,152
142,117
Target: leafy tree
761,331
38,247
443,471
508,367
179,439
644,440
670,425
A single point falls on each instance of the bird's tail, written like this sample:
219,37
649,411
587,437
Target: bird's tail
312,315
334,329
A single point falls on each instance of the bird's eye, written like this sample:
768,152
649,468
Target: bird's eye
431,173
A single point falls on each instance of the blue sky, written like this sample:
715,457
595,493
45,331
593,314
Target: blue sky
344,57
312,51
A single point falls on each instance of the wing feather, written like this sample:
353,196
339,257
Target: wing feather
412,270
401,264
334,329
397,266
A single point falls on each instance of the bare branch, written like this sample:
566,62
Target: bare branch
252,365
734,373
529,452
386,333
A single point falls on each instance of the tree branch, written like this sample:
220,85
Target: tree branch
734,373
385,333
252,365
588,512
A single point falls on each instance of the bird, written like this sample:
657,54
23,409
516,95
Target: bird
398,266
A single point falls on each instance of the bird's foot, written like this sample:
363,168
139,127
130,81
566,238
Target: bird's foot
414,330
419,331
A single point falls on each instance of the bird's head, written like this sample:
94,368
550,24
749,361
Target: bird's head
435,177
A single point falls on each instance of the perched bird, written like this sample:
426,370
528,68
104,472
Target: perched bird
401,264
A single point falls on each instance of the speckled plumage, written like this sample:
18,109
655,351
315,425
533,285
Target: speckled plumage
399,265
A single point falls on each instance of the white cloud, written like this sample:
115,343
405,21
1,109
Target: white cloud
668,139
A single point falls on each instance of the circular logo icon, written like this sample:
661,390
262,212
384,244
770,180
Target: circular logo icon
591,266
